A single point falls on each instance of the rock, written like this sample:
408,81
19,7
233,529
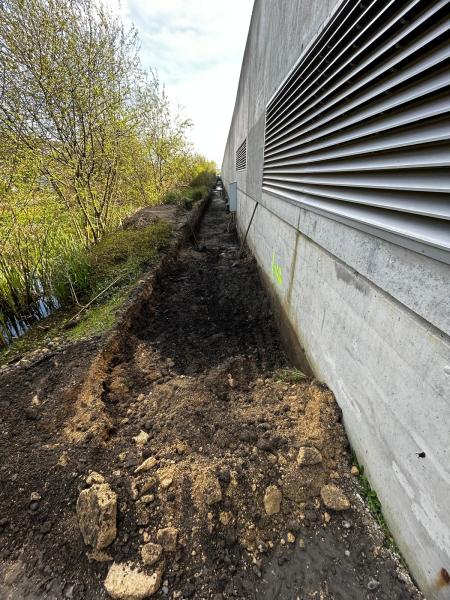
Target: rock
141,439
125,582
346,524
334,498
151,553
96,512
373,585
225,518
94,477
272,500
206,489
309,456
354,471
148,464
148,498
166,482
167,537
35,497
290,538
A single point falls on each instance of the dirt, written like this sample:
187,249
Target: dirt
200,382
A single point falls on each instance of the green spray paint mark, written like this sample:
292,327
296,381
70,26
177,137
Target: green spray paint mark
276,271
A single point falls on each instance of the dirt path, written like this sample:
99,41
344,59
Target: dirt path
201,391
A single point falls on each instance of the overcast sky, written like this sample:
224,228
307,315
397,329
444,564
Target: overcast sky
197,48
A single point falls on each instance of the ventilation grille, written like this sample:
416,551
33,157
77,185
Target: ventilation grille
241,156
360,129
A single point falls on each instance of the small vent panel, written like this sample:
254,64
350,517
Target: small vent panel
241,156
360,129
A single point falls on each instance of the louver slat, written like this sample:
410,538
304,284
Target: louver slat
241,156
360,130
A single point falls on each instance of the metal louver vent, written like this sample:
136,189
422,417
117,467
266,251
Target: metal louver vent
360,129
241,156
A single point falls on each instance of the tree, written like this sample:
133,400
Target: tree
166,154
66,73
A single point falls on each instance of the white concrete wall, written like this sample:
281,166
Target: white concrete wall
373,317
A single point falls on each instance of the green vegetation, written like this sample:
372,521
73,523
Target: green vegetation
110,269
374,504
86,137
290,375
100,318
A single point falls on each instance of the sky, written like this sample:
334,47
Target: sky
197,47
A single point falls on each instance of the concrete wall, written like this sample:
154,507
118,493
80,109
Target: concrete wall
372,317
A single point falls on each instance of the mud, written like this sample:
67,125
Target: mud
199,376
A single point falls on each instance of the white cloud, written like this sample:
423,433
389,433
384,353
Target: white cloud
197,48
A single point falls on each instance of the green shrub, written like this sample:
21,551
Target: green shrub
173,197
290,375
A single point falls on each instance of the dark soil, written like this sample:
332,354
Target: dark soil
201,377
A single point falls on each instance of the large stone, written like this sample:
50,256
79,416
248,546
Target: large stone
334,498
125,582
151,553
272,500
96,512
308,456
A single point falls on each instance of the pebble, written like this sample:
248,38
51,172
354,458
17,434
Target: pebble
256,571
147,498
148,464
373,585
346,524
309,456
272,500
334,498
166,482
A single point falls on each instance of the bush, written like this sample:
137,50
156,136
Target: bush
172,197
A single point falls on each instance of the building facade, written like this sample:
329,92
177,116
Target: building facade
340,138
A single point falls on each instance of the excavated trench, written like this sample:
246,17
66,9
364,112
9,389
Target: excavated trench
201,384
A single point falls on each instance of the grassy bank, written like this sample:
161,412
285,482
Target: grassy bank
106,275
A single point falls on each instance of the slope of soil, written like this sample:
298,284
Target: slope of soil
195,384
